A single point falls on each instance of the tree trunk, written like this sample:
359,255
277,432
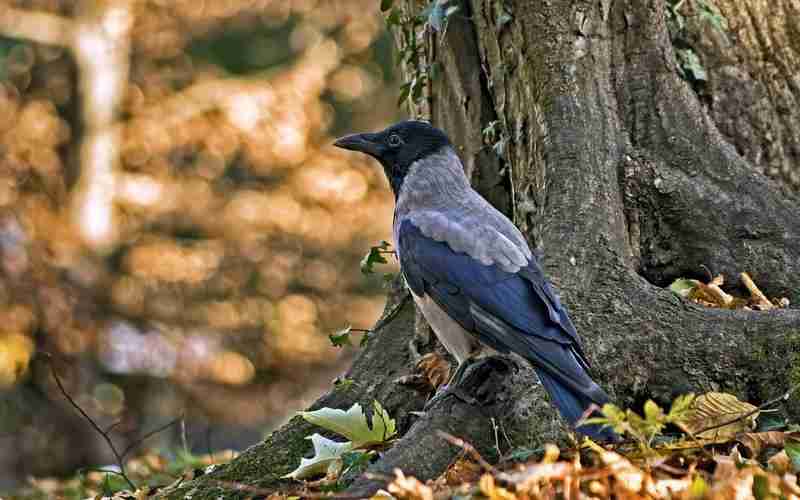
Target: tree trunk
625,179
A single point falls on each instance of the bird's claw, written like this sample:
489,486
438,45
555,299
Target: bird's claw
446,391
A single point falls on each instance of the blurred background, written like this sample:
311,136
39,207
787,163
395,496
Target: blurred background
176,230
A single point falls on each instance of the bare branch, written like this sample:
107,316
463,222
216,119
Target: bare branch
91,421
150,434
469,449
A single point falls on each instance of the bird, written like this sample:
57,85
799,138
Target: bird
471,271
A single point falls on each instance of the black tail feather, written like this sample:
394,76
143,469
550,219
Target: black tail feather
572,407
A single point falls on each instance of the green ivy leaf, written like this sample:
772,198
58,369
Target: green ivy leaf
652,412
327,456
353,424
682,288
343,383
374,256
680,406
342,337
386,5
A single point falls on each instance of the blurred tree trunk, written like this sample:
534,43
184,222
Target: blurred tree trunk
626,179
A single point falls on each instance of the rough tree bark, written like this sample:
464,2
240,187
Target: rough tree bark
625,179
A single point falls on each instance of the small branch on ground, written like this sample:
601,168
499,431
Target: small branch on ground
468,449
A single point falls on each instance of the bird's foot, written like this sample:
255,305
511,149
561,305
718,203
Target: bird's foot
469,376
446,391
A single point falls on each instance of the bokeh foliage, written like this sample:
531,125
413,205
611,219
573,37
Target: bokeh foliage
175,228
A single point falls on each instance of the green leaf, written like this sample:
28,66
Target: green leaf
490,130
342,337
690,63
353,424
680,405
343,383
761,487
698,488
653,413
374,256
365,338
682,287
386,5
393,19
792,448
356,460
327,456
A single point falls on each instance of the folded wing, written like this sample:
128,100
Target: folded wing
509,311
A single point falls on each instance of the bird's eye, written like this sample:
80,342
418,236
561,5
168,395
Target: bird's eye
395,140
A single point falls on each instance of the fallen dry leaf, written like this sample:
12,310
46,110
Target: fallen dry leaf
461,471
780,462
715,408
755,442
409,488
492,491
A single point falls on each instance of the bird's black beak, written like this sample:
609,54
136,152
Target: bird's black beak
364,143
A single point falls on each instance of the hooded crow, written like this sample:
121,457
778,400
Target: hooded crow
470,270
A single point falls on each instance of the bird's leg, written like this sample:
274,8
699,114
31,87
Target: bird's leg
451,387
460,370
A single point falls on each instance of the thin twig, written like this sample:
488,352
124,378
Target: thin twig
782,397
84,470
386,319
496,437
469,449
150,434
94,425
184,438
111,427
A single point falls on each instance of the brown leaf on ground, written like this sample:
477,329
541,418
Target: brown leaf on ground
493,492
780,463
716,408
409,488
712,293
461,471
755,442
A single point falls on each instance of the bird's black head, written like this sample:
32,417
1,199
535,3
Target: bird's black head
397,147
